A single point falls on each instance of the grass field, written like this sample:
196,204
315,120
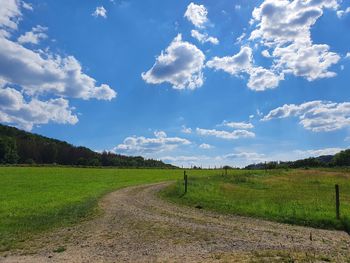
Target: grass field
33,200
303,197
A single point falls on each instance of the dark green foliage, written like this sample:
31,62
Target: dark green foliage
341,159
20,147
8,150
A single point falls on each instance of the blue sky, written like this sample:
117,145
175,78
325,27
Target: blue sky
191,83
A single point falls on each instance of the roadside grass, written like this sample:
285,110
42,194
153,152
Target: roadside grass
33,200
301,197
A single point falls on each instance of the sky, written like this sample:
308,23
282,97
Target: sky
206,83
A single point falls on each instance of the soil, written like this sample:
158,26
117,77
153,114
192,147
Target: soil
137,226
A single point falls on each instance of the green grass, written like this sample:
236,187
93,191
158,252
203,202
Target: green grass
33,200
303,197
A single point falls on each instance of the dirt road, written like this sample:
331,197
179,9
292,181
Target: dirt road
139,227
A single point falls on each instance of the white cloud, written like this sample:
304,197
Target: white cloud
285,26
248,156
318,152
347,55
186,130
27,6
37,73
42,73
15,110
34,36
100,11
204,38
309,61
238,125
10,14
265,53
142,145
259,78
237,134
286,21
205,146
180,158
341,13
236,159
180,65
317,116
233,65
197,15
240,38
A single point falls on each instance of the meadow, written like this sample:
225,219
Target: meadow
38,199
302,197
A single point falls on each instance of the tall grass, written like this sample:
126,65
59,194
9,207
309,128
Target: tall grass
303,197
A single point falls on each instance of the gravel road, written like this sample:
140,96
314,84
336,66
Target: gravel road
137,226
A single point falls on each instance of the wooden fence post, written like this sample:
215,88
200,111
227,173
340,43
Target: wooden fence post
185,179
337,201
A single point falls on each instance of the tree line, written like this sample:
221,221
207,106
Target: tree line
341,159
20,147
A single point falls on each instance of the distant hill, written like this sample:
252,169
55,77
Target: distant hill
341,159
21,147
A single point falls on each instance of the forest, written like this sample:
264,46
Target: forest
20,147
341,159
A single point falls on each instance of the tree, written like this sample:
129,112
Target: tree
8,150
342,158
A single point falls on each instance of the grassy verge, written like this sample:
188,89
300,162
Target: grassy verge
302,197
33,200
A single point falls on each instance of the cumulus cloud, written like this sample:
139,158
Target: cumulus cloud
197,15
10,14
259,78
265,53
100,11
141,145
204,37
317,116
36,73
14,109
39,73
235,64
228,135
318,152
34,36
285,26
286,21
205,146
186,130
180,64
341,13
309,61
238,125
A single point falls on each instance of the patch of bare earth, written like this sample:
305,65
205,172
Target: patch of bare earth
139,227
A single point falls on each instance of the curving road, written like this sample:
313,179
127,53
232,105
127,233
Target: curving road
136,226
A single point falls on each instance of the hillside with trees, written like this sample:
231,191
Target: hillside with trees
21,147
341,159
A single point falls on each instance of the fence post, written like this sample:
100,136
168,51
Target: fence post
185,179
337,201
